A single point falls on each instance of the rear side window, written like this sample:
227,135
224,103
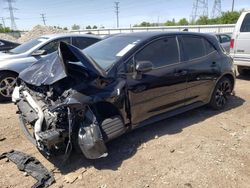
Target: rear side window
245,27
161,52
83,42
194,47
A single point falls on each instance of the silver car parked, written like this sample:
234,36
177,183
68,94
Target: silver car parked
224,39
14,61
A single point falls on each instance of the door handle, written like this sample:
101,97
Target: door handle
181,73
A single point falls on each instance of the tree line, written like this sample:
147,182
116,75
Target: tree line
4,29
226,18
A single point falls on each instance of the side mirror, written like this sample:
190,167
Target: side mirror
144,66
39,53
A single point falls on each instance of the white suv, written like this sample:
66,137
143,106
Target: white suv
240,43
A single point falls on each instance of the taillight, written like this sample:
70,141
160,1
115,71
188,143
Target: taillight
232,43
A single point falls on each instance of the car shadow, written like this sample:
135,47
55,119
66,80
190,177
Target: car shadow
127,145
244,77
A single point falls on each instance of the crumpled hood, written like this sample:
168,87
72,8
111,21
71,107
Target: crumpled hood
53,67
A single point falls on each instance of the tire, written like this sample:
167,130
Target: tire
241,70
7,84
222,91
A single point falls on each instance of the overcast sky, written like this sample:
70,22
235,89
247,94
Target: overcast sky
65,13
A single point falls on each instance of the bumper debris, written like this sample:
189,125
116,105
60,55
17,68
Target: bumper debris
31,166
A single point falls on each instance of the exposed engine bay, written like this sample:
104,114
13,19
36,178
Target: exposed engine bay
60,101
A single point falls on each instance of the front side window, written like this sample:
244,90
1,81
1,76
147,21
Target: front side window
245,27
194,47
160,53
83,42
53,45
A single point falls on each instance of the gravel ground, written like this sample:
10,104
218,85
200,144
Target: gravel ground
200,148
35,32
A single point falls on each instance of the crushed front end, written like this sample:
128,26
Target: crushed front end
57,104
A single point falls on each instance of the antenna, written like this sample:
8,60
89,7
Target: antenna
200,8
216,12
12,17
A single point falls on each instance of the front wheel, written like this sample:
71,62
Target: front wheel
222,91
7,84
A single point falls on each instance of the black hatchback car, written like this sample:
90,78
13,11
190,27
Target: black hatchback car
82,99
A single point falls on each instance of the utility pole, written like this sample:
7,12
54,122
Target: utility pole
12,17
216,12
117,13
200,8
43,18
233,6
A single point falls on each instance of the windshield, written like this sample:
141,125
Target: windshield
27,45
110,50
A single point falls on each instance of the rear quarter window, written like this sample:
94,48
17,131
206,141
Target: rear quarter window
245,27
209,47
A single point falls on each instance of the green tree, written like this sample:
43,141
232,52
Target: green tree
203,20
214,21
170,23
145,24
94,27
65,28
88,27
229,17
75,27
183,21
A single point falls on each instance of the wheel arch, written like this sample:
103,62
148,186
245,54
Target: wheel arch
9,71
106,109
230,76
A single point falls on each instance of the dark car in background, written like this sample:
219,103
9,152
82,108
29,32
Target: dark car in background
12,62
7,45
83,99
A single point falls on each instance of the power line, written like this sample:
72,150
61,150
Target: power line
200,8
216,12
117,13
43,18
12,17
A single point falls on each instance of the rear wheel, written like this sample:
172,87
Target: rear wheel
7,84
222,91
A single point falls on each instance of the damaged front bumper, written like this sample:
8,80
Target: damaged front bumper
78,128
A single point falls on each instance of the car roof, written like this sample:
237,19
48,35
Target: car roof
60,35
150,34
